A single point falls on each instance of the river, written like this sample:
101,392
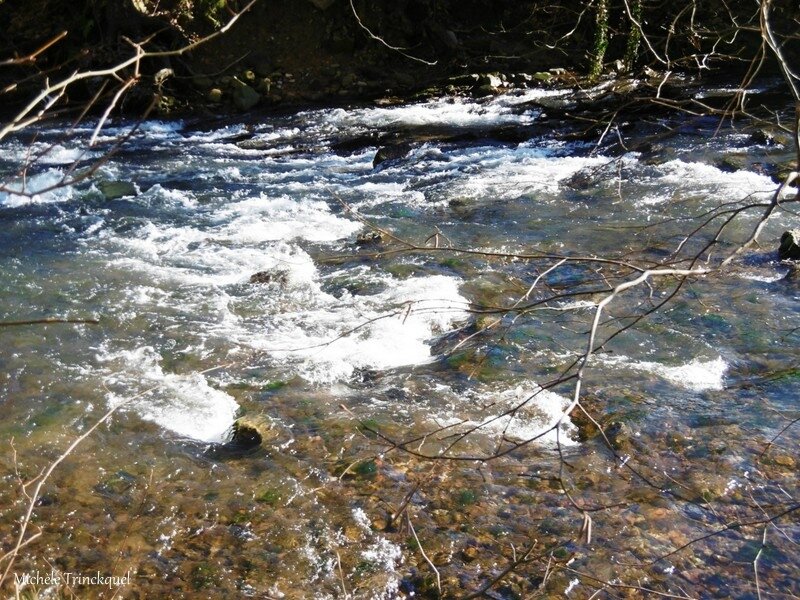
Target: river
267,267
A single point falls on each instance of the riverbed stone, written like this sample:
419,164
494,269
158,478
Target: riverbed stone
784,460
484,90
115,189
280,277
254,430
349,80
619,435
731,163
390,152
766,137
458,202
582,180
790,245
522,79
491,80
244,97
369,238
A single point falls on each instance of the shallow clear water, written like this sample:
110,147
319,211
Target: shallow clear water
339,338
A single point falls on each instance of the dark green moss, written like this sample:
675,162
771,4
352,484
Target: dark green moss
270,496
466,497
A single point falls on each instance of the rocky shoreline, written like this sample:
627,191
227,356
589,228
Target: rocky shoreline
249,89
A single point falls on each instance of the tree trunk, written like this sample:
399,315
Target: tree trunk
600,38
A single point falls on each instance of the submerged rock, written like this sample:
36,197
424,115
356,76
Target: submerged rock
279,277
114,190
619,435
732,163
582,180
253,430
784,460
780,171
470,553
586,428
369,238
790,245
117,487
766,137
391,152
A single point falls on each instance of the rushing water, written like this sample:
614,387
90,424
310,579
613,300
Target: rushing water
338,337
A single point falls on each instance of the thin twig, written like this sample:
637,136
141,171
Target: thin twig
425,556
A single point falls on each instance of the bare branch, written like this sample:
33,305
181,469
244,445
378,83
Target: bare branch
31,58
377,38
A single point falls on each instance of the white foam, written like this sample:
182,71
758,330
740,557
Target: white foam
216,134
190,257
281,135
770,278
362,520
60,155
264,219
153,130
158,195
703,180
387,557
510,173
183,403
313,333
454,112
530,95
729,91
231,251
572,585
33,188
331,339
697,375
541,412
